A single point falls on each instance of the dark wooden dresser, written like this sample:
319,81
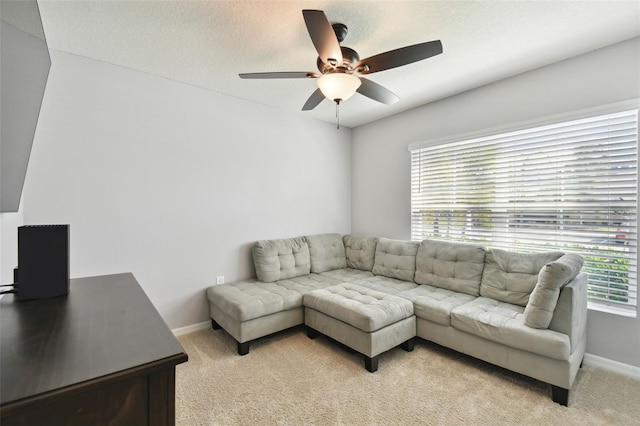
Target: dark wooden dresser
100,356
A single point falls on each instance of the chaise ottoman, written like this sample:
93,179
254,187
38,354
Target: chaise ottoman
368,321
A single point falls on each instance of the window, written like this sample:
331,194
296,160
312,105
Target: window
570,186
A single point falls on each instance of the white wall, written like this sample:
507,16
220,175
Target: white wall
9,223
173,182
24,68
380,160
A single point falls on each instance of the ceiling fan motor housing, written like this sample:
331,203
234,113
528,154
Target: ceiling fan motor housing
349,58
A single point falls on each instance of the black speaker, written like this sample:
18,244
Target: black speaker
43,262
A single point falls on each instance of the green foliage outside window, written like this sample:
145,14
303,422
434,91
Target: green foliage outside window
615,272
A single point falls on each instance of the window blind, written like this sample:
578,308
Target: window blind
570,186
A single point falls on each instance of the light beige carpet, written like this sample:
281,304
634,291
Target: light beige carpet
291,380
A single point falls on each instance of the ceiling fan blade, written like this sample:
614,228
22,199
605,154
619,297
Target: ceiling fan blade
376,92
323,37
313,101
399,57
286,74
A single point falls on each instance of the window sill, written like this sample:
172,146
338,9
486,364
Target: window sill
610,309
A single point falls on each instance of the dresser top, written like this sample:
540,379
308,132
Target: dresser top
106,325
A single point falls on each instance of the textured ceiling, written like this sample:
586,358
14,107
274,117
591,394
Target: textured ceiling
208,43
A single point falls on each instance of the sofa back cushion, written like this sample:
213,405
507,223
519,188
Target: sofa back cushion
281,259
396,259
360,251
552,277
453,266
327,252
510,277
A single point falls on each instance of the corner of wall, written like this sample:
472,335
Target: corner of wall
9,223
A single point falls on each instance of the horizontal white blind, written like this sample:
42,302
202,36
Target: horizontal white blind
570,186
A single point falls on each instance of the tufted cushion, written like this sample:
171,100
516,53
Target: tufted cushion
396,259
366,309
504,323
360,251
348,275
280,259
510,277
435,304
385,284
452,266
327,252
249,299
552,277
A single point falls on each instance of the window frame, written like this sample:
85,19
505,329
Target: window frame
634,104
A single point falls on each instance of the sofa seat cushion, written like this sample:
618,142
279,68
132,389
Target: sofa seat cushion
249,299
504,323
309,282
453,266
347,274
326,252
396,259
281,259
511,277
435,304
360,251
385,284
360,307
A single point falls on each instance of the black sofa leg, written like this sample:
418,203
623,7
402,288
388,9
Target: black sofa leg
243,348
311,333
371,364
408,345
560,395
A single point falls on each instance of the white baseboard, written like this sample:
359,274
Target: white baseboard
615,366
191,328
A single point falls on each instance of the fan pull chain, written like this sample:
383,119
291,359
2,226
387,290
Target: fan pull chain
338,113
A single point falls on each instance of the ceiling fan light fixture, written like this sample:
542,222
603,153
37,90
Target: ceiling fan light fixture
338,86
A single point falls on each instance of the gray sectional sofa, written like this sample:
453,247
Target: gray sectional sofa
523,312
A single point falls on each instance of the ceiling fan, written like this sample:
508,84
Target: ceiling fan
341,67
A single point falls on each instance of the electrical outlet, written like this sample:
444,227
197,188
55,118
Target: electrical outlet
220,279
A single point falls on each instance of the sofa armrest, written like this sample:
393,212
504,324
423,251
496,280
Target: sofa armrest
570,315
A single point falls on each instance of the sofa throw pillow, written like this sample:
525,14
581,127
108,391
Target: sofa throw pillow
396,259
327,252
360,251
552,277
281,259
453,266
510,277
